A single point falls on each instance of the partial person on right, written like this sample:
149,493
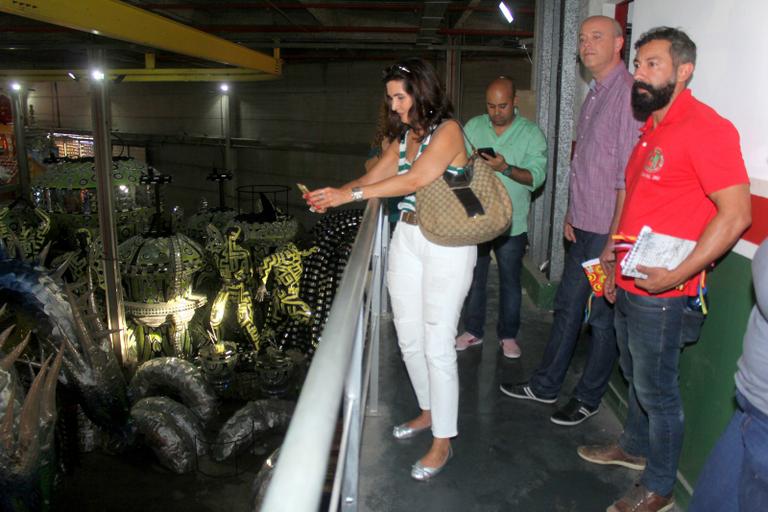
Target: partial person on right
735,476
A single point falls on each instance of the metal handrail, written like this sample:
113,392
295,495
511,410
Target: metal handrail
338,365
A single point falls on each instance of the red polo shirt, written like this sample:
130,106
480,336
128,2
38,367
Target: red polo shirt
692,153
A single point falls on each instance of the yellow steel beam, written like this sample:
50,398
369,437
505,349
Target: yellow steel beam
117,20
141,75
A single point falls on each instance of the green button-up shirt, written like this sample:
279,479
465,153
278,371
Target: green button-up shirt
523,145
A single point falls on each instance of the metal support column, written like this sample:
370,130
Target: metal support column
229,155
19,112
557,24
546,36
102,147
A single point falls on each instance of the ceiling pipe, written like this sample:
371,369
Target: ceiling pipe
361,30
290,29
333,6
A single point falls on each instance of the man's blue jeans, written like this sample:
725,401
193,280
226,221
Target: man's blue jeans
651,332
509,252
570,302
735,477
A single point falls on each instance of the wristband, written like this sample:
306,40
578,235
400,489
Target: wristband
507,171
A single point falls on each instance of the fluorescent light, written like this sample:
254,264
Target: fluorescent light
506,12
71,75
16,86
224,87
97,74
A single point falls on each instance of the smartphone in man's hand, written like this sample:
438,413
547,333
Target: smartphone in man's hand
486,153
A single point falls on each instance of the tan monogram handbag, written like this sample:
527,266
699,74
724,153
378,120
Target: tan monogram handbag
464,209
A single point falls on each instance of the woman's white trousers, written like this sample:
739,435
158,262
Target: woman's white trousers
427,287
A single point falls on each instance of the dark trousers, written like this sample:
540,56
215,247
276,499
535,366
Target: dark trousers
570,302
509,252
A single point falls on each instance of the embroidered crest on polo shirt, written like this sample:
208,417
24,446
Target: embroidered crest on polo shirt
655,161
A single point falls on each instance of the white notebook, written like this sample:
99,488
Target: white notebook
655,250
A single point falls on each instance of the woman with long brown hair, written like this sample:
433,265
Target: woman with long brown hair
427,282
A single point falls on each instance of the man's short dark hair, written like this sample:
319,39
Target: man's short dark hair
682,48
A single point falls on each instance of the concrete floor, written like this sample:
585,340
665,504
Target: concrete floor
508,455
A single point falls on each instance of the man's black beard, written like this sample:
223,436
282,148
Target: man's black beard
644,105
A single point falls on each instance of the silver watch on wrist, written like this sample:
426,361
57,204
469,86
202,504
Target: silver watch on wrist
357,194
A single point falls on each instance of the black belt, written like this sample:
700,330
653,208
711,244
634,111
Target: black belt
409,217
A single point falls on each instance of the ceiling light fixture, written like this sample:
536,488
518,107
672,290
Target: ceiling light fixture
224,87
97,75
71,75
507,12
16,86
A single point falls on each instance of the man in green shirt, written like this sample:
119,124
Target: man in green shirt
520,160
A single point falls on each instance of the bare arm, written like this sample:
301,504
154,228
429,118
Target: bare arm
446,148
732,218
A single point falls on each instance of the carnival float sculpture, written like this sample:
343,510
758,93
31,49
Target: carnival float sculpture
286,266
168,404
67,192
235,268
158,269
23,229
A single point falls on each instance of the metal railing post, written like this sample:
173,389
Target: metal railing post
385,236
354,386
378,303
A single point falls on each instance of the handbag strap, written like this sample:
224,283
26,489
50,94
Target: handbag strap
474,149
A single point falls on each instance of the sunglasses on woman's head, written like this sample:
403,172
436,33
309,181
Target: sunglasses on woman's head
393,69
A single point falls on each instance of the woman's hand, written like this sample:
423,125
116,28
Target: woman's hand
328,197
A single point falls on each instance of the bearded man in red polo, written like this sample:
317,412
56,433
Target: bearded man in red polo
685,178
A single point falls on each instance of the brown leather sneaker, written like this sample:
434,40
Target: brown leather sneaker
610,454
640,499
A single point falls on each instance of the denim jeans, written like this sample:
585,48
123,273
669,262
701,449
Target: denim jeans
570,302
651,332
735,477
509,252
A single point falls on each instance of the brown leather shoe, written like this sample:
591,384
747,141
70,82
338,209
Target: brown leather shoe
610,454
640,499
